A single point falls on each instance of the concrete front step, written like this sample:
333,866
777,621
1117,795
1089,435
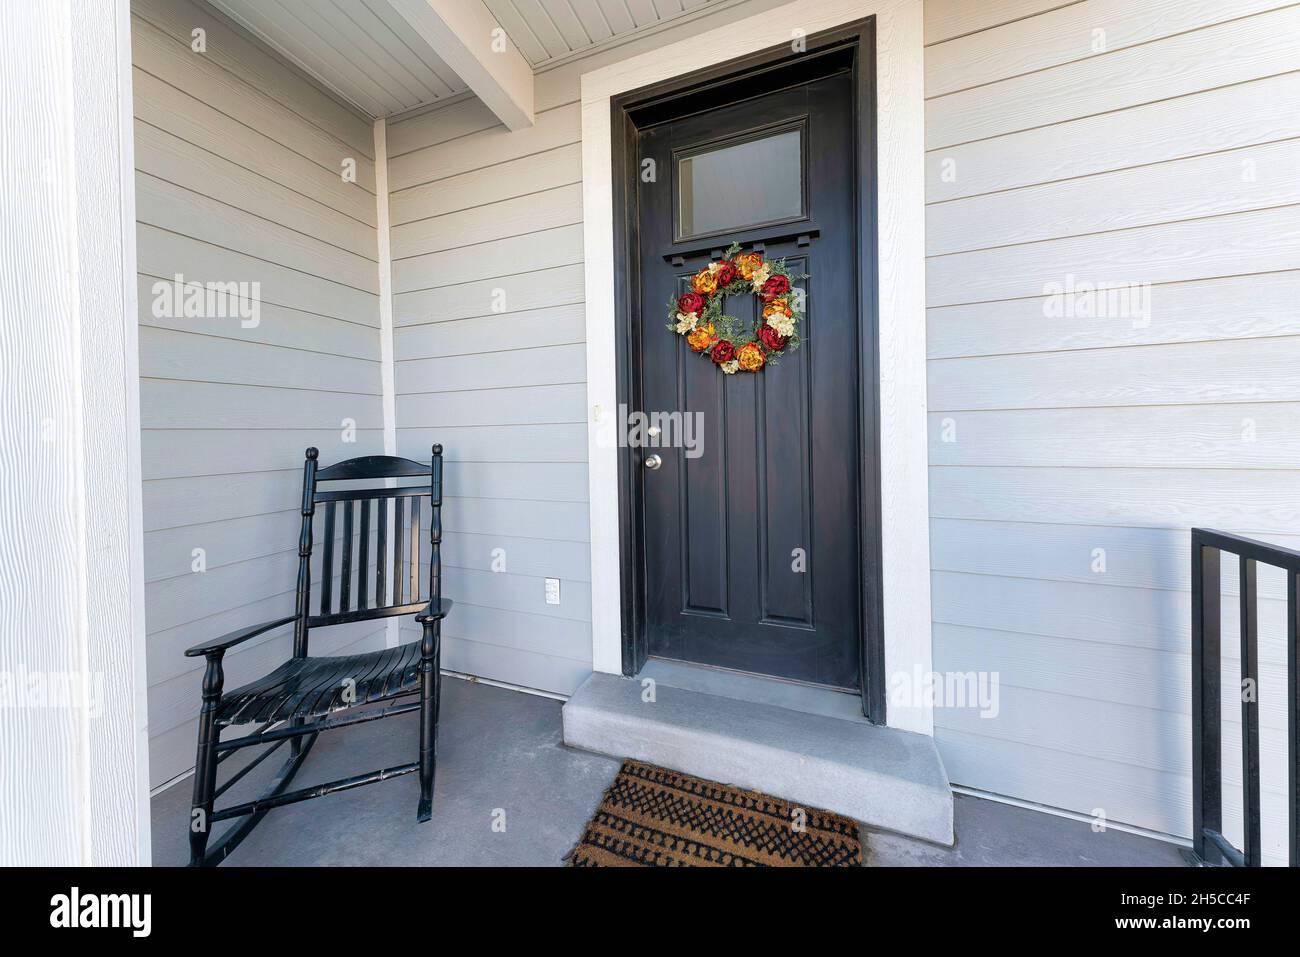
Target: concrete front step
886,778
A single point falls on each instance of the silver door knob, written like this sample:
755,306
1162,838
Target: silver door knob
653,461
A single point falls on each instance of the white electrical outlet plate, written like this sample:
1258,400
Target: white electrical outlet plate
552,591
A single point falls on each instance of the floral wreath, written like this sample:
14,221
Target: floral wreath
698,314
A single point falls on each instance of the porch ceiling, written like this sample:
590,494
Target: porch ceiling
362,50
549,30
369,54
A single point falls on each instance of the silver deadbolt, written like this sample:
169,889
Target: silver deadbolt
653,461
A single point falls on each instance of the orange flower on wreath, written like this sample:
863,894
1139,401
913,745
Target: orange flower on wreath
746,263
702,337
750,357
705,282
777,307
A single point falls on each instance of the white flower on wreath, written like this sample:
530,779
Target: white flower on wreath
761,275
686,322
784,325
730,367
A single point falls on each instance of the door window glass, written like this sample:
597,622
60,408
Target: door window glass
748,183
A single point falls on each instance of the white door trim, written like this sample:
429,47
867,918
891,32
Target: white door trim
901,222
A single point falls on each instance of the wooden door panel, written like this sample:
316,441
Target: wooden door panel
752,549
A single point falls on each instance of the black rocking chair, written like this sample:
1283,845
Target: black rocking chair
299,699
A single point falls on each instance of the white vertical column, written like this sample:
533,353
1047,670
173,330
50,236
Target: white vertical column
73,719
389,399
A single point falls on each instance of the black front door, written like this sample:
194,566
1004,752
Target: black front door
752,537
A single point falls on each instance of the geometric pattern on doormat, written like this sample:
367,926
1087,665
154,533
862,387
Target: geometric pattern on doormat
654,817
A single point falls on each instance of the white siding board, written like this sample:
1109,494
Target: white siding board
171,60
1143,558
1234,307
567,561
527,669
193,356
169,552
1233,52
506,443
556,325
1186,373
174,503
545,170
1251,178
171,159
1083,611
518,406
545,365
946,19
163,254
1134,795
239,180
548,248
1071,33
1136,677
249,60
536,481
555,127
184,212
511,591
216,405
186,453
279,326
1232,436
1259,111
432,127
1233,245
551,286
159,104
1262,504
532,213
558,521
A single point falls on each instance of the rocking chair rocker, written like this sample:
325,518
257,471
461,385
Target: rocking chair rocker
295,702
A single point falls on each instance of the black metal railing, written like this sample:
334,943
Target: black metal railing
1209,844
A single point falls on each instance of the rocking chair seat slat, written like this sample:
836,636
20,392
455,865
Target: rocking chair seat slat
314,687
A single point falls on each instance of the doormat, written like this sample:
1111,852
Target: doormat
653,817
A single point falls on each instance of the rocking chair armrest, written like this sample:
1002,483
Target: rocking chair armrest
434,614
235,637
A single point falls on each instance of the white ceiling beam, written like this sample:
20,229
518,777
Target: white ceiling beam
466,35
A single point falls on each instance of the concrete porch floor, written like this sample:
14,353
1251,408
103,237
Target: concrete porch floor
501,760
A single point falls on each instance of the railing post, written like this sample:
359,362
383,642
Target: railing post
1249,691
1207,791
1293,713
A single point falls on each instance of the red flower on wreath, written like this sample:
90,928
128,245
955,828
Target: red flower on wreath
726,273
723,351
775,286
692,302
774,341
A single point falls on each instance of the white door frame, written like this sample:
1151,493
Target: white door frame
900,164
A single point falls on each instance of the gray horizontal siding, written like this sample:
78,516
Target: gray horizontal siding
480,212
239,179
1166,157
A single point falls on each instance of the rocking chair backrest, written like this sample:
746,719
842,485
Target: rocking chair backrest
394,513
